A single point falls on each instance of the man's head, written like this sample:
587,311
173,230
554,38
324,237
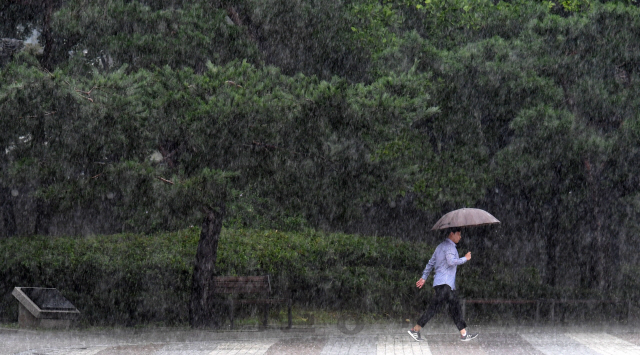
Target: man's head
455,234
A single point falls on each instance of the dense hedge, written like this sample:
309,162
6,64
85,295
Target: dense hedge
118,279
131,279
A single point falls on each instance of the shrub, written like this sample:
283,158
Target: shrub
130,279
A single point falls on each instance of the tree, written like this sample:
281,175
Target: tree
568,68
295,147
137,101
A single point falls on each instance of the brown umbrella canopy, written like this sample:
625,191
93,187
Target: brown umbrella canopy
465,217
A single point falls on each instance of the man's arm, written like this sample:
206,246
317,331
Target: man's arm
427,271
429,267
453,259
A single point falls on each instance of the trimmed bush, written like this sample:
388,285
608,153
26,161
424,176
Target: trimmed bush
129,279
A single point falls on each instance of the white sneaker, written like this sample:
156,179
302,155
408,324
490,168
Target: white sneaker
415,335
468,336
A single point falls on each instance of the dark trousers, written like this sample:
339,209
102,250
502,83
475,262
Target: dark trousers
444,294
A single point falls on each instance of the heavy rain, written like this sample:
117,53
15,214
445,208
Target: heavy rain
269,177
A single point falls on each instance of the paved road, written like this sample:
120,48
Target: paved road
380,340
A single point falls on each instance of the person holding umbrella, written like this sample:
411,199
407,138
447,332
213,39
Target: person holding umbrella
444,262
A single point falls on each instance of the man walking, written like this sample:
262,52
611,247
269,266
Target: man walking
445,260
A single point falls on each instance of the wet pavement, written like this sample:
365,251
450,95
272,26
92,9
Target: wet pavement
373,339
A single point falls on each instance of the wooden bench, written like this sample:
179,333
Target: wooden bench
539,302
234,286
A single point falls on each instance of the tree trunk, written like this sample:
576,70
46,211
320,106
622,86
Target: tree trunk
552,259
7,213
43,217
553,238
601,251
47,34
43,208
201,308
594,178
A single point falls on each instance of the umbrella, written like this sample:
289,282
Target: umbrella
465,217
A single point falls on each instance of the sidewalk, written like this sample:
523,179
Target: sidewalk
381,339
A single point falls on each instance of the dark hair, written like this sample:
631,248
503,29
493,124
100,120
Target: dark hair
453,230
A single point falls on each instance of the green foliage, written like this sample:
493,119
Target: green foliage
376,21
130,279
297,114
313,38
109,34
295,146
120,279
541,100
357,272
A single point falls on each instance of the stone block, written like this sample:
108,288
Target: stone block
44,308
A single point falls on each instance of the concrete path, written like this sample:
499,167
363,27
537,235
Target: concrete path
376,340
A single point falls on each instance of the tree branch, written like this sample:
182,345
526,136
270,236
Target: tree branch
165,180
